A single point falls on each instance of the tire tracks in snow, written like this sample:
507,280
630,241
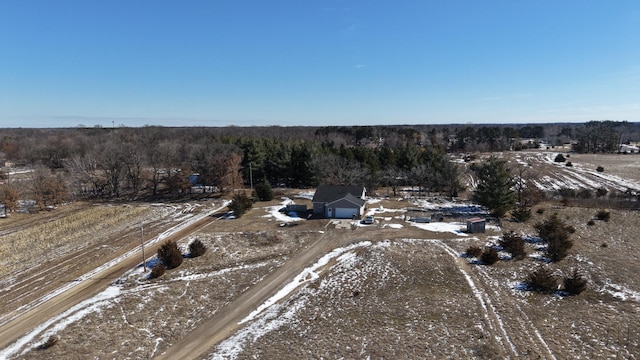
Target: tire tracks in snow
484,292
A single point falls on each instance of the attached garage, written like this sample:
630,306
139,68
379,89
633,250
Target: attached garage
346,208
345,213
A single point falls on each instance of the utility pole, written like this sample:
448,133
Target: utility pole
251,176
144,262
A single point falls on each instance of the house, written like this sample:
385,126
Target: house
340,202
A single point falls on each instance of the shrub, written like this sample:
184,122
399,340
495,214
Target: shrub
240,204
556,234
514,245
591,222
599,169
603,215
521,213
559,158
473,251
170,255
574,284
568,163
157,271
567,192
263,191
600,192
584,194
197,248
489,256
51,341
541,280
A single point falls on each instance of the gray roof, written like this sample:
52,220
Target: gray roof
329,193
351,199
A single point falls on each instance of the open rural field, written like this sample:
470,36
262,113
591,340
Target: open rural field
336,288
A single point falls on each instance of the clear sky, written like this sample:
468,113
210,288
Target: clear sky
301,62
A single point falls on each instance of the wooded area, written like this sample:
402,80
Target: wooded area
152,162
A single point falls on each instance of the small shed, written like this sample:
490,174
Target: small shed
476,225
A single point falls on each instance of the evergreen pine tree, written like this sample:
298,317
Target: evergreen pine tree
556,234
495,184
263,191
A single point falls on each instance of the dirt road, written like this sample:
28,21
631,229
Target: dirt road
21,323
225,323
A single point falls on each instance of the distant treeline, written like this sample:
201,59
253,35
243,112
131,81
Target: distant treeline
163,161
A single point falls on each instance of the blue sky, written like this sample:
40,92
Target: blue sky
301,62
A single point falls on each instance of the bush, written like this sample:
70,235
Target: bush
157,271
473,251
521,213
601,192
568,163
556,234
591,223
567,192
559,158
514,245
240,204
603,215
489,256
51,341
599,169
197,248
584,194
263,191
541,280
170,255
574,284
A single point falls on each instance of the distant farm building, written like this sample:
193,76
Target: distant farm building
339,202
628,149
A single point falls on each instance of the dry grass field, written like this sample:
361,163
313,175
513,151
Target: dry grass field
389,290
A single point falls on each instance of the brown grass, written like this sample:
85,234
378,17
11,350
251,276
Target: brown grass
408,299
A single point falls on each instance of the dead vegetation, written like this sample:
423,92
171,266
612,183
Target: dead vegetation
407,297
399,298
49,240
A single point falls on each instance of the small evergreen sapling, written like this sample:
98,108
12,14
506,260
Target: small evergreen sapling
574,283
489,256
514,245
556,234
541,280
197,248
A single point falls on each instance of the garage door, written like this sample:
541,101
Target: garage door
345,213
